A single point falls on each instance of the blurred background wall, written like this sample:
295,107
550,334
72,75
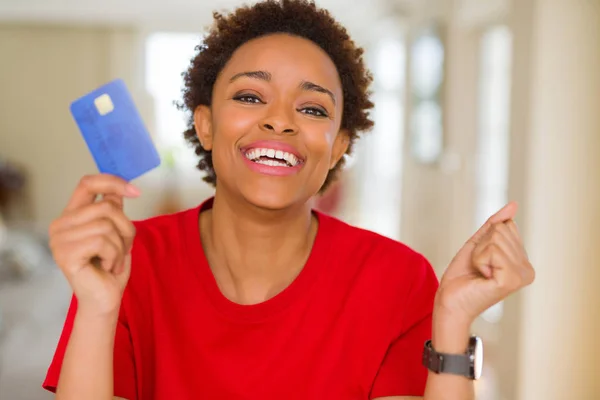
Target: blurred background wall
477,102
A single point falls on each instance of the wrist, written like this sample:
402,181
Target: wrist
92,314
450,334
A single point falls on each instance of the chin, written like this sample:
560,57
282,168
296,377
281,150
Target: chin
269,192
274,197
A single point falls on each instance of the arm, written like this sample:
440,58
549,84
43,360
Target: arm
448,338
452,338
88,362
91,242
490,266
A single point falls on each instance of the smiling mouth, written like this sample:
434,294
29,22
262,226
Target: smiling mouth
272,157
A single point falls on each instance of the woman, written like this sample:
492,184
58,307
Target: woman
252,295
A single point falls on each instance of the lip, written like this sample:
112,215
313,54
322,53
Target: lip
268,169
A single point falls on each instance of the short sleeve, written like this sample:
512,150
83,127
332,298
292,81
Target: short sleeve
124,368
402,372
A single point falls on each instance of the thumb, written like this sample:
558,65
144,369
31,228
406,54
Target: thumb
506,213
124,270
509,211
115,199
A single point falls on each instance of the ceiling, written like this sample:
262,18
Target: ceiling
182,15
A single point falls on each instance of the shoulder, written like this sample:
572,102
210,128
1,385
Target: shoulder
160,248
391,282
164,231
373,251
160,244
160,223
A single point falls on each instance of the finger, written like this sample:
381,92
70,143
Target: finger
488,259
516,238
99,227
124,266
509,211
91,186
499,284
505,213
115,199
502,234
82,252
510,252
514,229
84,215
118,203
109,256
102,209
483,258
509,277
464,256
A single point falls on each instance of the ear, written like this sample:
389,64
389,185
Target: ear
340,145
203,125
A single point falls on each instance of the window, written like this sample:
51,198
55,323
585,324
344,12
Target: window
493,131
381,152
492,179
167,57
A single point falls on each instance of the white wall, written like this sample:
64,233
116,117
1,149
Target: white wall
557,140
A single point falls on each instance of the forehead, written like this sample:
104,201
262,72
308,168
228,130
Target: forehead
286,57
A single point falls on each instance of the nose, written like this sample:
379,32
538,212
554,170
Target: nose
279,123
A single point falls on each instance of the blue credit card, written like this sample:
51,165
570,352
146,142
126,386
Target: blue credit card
115,132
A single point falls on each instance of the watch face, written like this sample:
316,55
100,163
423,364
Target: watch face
477,357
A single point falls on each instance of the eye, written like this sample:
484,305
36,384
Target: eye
314,111
248,98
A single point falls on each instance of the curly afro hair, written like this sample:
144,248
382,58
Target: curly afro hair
300,18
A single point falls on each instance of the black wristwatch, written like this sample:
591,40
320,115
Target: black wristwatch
468,364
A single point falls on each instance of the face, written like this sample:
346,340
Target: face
274,123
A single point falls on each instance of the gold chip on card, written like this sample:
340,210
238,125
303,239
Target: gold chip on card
104,104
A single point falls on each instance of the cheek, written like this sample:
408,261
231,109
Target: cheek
319,140
231,123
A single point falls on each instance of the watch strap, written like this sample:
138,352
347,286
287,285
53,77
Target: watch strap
456,364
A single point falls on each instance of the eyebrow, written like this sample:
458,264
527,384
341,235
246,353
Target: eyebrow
313,87
262,75
266,76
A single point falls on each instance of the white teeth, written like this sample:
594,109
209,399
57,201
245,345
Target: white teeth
272,163
279,158
290,158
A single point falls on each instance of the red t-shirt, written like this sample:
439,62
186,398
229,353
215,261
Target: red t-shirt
351,326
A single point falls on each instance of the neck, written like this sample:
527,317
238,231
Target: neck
255,253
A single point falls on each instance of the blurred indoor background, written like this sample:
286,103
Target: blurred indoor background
477,102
